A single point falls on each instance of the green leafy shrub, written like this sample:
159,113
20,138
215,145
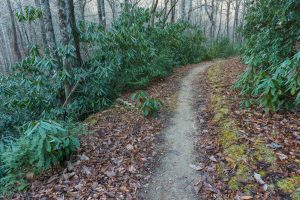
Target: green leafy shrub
222,48
44,144
148,106
126,57
272,78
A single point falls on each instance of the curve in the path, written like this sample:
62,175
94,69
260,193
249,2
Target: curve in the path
173,179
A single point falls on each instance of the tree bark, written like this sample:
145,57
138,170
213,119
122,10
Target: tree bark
190,10
173,4
42,25
210,15
65,41
112,5
228,17
75,32
183,10
153,10
16,49
7,46
101,12
82,4
220,22
236,19
51,40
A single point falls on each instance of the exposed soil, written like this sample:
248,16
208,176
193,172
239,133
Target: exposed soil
174,176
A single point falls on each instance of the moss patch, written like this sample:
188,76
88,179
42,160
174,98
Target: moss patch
290,185
229,139
236,152
265,154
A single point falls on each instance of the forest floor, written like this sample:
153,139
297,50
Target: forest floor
202,146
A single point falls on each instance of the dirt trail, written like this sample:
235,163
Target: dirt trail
173,179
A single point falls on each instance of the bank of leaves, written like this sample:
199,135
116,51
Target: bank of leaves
272,32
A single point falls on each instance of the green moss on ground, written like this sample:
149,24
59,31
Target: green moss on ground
289,185
229,139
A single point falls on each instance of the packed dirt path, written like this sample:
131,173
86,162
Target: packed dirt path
174,177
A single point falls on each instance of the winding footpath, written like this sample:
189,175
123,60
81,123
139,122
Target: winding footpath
173,180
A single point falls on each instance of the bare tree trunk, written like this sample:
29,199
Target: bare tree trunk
153,10
165,10
65,40
228,17
7,46
190,10
24,50
4,54
112,5
236,19
82,4
42,25
101,12
173,4
51,40
220,22
16,49
242,20
210,15
183,10
74,31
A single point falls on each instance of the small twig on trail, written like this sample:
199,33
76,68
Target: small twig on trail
217,86
189,183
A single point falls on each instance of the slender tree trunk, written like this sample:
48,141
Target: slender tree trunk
112,5
228,17
75,32
173,11
220,22
101,12
7,46
51,40
211,17
42,25
236,19
16,49
183,10
23,43
153,10
165,10
82,4
190,10
65,41
5,58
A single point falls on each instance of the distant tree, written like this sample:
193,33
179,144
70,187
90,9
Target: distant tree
101,12
16,49
190,10
65,41
42,24
153,10
228,16
82,4
112,5
173,10
51,40
75,32
183,9
210,11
